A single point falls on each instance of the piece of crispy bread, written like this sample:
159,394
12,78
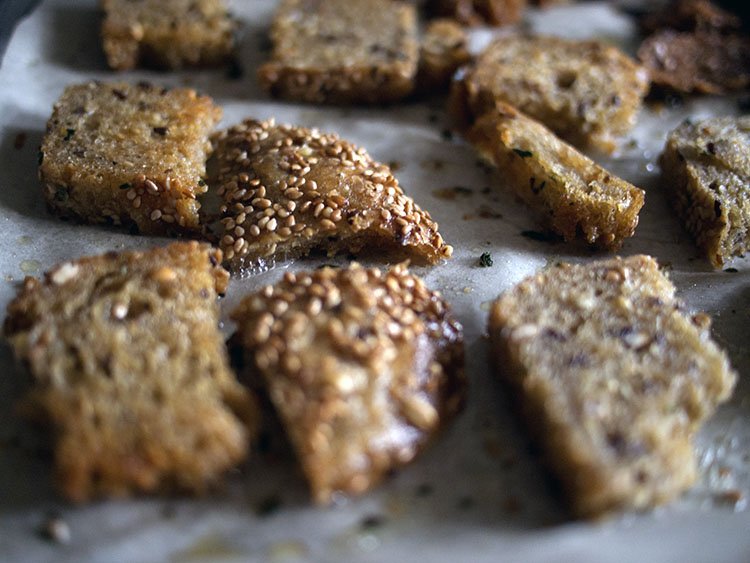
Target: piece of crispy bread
128,154
444,48
290,189
478,12
362,367
166,33
587,92
131,371
706,172
614,379
572,195
342,51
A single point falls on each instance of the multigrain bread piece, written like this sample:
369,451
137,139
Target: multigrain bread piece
613,377
443,50
117,153
362,367
131,371
342,51
478,12
690,15
587,92
706,172
572,195
288,190
709,63
166,33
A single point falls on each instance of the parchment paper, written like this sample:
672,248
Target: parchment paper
478,494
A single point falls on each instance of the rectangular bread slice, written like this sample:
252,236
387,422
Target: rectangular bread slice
614,379
131,371
342,51
571,193
706,173
117,153
166,33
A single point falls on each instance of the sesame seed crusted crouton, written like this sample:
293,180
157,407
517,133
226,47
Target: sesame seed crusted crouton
131,371
706,172
166,33
444,48
571,193
362,367
342,51
587,92
120,154
613,377
290,189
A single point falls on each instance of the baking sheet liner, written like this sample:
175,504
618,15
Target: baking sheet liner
478,494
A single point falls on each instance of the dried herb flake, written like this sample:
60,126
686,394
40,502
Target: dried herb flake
68,134
485,260
523,153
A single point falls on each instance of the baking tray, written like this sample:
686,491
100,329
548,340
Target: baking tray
478,494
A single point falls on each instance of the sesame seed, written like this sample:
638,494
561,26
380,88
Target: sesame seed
151,186
155,215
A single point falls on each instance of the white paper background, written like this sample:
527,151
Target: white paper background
477,495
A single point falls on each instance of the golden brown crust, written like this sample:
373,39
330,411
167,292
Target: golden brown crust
290,189
166,33
706,172
362,367
342,51
613,377
571,193
587,92
131,371
118,153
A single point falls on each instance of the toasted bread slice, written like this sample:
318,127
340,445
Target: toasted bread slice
571,193
613,377
363,369
587,92
443,50
706,172
117,153
166,33
131,371
342,51
290,189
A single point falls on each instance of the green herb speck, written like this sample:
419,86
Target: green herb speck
523,153
201,183
485,260
68,134
61,194
125,186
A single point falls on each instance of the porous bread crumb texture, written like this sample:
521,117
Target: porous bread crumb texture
117,153
131,371
572,195
443,49
362,367
342,51
706,173
166,34
587,92
614,379
478,12
287,190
